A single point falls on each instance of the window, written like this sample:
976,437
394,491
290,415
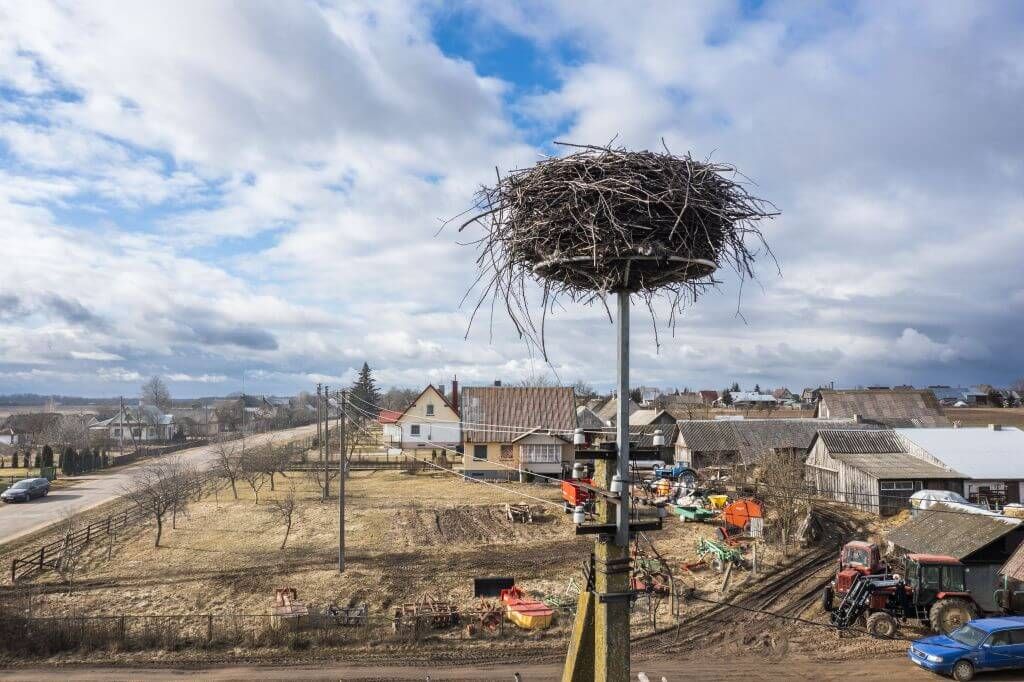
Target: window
999,638
414,430
136,433
480,452
953,578
542,453
117,433
930,577
430,409
506,452
1017,636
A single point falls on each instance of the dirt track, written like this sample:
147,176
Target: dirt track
895,668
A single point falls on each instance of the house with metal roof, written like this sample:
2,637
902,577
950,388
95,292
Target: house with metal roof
429,424
886,406
991,459
510,432
873,470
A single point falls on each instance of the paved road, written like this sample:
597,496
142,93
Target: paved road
93,490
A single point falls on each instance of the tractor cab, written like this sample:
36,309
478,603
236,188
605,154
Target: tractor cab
858,558
932,577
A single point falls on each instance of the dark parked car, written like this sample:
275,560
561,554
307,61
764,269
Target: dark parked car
25,489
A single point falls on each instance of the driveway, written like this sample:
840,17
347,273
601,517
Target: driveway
90,491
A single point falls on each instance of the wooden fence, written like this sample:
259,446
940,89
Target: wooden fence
49,555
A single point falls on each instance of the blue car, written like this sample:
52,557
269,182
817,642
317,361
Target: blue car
983,644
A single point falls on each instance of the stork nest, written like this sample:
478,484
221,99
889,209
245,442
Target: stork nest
604,220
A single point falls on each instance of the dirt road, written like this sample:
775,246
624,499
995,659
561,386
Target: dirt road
893,668
94,490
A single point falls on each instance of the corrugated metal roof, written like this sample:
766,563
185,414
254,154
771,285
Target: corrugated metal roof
1014,566
587,420
754,438
850,441
949,531
980,453
610,409
894,465
892,407
643,436
500,414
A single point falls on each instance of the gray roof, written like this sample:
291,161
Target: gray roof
894,465
587,420
754,438
503,413
643,436
950,531
981,453
850,441
891,407
610,409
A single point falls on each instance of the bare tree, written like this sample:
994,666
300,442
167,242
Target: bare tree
156,488
227,464
70,553
252,471
67,430
780,482
155,392
284,509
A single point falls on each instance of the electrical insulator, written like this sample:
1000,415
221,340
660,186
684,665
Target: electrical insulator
659,438
578,438
579,470
618,484
578,515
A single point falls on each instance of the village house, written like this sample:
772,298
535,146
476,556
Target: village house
708,397
145,423
28,428
510,432
752,399
648,394
430,422
712,442
888,407
873,470
608,410
649,417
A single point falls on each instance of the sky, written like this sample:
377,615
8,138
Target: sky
254,194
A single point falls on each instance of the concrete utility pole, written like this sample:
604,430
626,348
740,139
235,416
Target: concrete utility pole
341,485
319,418
599,646
325,444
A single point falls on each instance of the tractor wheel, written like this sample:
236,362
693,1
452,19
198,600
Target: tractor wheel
881,625
947,615
963,671
828,599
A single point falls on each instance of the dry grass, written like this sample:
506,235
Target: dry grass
983,416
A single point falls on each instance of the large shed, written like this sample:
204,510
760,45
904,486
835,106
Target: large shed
973,537
872,470
712,442
992,459
887,406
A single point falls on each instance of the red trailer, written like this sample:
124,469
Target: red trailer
574,495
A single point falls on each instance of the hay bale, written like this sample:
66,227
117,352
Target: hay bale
605,220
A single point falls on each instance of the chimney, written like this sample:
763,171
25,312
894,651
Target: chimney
497,383
995,427
454,400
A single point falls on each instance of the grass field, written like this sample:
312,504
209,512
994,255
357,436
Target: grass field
983,416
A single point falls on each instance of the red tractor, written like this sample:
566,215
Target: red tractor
932,590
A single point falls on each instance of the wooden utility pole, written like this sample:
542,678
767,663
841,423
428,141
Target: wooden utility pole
120,431
319,419
341,485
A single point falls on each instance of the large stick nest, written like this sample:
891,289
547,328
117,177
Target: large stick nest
604,220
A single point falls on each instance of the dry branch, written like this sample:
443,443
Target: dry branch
604,220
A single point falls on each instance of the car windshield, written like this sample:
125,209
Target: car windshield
21,484
968,635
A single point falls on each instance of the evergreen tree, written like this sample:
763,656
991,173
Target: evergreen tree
727,397
365,392
757,388
46,456
735,387
67,462
14,460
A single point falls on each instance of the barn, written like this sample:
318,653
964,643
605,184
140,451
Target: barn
873,470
